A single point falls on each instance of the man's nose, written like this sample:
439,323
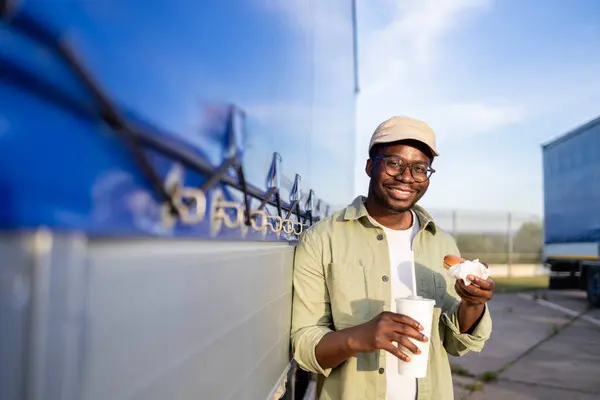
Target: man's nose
405,176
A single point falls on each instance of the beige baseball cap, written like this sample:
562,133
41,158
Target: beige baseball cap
404,128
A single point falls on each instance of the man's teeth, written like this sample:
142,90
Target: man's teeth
399,190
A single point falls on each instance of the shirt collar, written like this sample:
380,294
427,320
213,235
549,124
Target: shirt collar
357,210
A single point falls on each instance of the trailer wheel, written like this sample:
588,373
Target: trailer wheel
593,287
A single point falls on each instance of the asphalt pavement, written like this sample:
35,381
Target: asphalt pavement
544,345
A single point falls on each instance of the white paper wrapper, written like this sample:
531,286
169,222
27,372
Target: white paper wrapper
460,271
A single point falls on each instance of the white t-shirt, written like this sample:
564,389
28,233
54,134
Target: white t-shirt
402,276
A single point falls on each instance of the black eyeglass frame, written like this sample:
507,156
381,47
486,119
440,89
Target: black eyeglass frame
403,165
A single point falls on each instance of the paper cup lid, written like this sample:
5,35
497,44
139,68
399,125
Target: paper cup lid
414,298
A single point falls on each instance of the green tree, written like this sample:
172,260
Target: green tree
527,245
528,242
489,248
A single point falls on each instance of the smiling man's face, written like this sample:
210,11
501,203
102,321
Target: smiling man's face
401,192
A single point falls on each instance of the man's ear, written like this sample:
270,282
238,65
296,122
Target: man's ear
369,167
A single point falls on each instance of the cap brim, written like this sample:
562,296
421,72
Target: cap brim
433,151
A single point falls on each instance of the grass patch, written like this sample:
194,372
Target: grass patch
459,370
489,376
521,284
474,387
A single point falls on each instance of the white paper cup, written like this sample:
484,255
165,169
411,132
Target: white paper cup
421,310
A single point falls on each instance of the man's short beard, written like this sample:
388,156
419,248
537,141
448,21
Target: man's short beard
381,201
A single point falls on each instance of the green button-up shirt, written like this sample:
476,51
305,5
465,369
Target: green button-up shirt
339,267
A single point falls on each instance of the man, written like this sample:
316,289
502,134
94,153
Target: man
350,267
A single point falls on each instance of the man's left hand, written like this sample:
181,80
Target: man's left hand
479,292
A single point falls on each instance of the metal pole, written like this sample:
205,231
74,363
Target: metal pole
509,245
454,223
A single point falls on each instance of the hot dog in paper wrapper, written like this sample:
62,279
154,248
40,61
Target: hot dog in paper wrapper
459,268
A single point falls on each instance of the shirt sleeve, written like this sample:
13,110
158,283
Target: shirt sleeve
311,310
455,342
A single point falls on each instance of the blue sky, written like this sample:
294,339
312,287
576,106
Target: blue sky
495,79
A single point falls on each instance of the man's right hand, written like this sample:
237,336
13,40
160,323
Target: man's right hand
377,334
386,328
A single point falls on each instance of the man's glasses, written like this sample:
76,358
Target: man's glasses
394,166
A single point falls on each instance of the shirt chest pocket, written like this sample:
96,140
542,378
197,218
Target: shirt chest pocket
431,285
349,294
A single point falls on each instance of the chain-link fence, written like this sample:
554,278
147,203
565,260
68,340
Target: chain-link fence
510,241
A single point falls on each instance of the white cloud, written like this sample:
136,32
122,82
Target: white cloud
307,15
419,24
408,43
460,120
402,72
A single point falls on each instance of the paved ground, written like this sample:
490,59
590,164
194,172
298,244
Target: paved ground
544,345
